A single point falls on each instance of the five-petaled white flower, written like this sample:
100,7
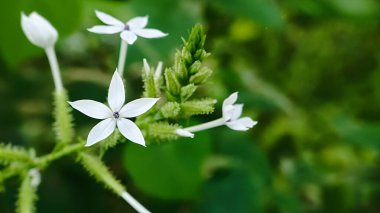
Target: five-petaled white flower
129,31
232,113
116,114
38,30
230,118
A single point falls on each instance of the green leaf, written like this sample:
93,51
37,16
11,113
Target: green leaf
170,170
245,185
355,132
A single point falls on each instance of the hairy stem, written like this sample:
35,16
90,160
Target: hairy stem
45,160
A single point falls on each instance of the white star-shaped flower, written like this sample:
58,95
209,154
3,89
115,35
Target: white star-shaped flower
128,31
116,114
230,118
232,113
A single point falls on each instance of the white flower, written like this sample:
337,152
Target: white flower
128,31
115,116
38,30
230,118
232,113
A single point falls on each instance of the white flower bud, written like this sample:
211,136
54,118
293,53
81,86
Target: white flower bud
184,133
35,177
38,30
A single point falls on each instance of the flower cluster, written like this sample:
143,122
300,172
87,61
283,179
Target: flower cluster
173,86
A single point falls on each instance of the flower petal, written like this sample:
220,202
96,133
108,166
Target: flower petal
231,99
236,125
242,124
137,107
146,66
103,29
149,33
236,111
101,131
128,36
138,22
158,72
129,130
116,93
92,109
247,121
108,19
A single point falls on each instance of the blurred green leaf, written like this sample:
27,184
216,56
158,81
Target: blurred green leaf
264,12
245,187
235,192
170,170
356,8
173,17
14,46
363,134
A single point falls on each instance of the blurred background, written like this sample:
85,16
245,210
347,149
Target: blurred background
308,71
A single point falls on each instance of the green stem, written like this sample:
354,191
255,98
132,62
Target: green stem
45,160
122,57
52,57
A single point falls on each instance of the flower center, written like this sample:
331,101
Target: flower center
116,115
126,27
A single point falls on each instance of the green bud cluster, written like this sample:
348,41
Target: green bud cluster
162,131
187,73
178,86
197,107
170,110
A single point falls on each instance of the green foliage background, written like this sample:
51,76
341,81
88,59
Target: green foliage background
307,70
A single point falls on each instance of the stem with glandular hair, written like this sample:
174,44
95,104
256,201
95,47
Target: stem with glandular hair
45,160
122,57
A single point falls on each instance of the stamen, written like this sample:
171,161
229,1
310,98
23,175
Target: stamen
126,27
116,115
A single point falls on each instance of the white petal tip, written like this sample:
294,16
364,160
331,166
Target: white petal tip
184,133
253,124
90,143
142,143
